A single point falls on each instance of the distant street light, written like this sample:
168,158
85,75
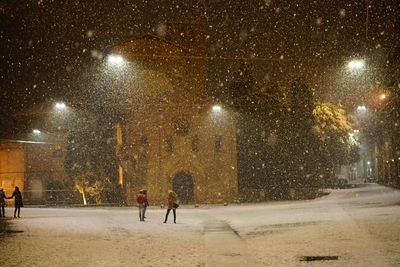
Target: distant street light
382,96
60,106
356,64
36,131
361,108
115,60
216,108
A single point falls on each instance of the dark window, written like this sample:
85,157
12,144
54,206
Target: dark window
218,143
195,143
169,144
143,140
181,126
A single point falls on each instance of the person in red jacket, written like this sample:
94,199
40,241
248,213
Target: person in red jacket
141,200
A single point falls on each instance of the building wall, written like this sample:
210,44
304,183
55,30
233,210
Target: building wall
165,89
30,167
44,163
149,135
12,167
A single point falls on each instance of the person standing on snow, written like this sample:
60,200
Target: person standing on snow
146,204
2,203
18,201
141,200
172,205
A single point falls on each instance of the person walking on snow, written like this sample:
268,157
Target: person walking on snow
2,203
141,200
172,205
18,201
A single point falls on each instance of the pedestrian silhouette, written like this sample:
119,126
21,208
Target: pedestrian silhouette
18,201
146,203
2,203
172,205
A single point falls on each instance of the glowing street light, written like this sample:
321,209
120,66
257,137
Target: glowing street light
115,60
356,64
216,108
60,105
382,96
36,131
361,108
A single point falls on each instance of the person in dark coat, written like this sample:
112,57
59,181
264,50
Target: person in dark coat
2,203
141,200
172,205
146,204
18,201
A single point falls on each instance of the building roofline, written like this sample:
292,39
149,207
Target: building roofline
26,142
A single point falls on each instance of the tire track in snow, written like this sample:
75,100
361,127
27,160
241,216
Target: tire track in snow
224,245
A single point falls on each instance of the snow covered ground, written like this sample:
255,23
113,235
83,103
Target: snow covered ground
361,226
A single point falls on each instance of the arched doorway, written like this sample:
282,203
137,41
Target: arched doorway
183,185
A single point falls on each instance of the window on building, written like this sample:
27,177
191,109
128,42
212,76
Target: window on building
218,143
169,144
195,143
181,126
143,140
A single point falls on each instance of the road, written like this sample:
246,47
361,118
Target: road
349,227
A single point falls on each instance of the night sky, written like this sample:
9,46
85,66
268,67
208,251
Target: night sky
46,44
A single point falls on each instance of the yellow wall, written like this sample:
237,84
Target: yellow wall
30,167
166,83
214,173
12,167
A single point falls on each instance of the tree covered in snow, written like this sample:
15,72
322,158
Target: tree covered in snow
334,130
90,160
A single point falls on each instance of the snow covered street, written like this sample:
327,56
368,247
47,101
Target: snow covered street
360,226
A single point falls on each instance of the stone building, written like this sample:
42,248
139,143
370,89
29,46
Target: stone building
174,136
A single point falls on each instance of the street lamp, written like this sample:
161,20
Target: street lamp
361,108
356,64
115,60
382,96
60,106
216,108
